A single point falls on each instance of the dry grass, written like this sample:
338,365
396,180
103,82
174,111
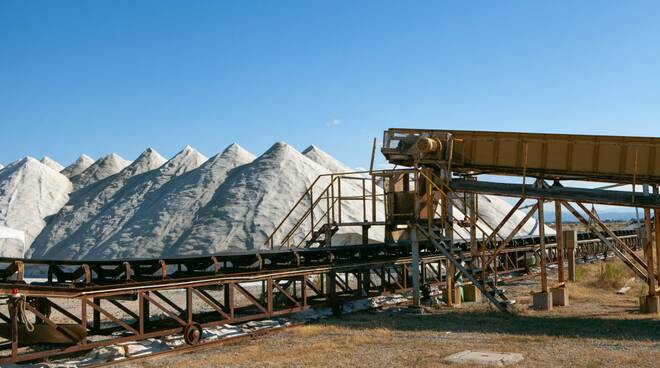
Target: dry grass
599,329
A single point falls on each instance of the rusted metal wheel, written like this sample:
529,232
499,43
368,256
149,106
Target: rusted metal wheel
192,333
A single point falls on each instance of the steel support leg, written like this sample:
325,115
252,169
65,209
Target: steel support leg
415,266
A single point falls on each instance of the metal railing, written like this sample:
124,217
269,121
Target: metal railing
323,206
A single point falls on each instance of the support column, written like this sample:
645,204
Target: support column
189,305
96,316
656,215
560,292
542,300
473,226
415,266
144,307
652,300
366,281
331,291
560,243
544,271
570,243
451,270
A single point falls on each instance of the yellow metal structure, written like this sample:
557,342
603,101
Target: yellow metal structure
561,156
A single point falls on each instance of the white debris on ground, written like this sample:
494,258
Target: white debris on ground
484,358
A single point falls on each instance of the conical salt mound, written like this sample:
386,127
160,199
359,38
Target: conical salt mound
29,192
157,226
322,158
86,203
88,241
252,202
81,164
101,169
52,163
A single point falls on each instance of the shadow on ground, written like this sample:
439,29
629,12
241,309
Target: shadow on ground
490,322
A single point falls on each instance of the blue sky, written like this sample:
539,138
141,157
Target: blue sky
118,76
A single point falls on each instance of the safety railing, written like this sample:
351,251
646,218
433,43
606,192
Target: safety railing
334,200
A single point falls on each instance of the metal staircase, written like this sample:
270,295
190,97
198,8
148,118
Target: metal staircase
494,295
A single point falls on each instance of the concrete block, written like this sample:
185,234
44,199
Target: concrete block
559,296
653,304
542,301
485,358
471,294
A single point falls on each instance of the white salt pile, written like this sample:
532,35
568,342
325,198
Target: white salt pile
52,163
29,192
89,240
101,169
157,227
88,202
81,164
252,202
322,158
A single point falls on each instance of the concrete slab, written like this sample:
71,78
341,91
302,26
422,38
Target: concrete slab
559,296
542,301
485,358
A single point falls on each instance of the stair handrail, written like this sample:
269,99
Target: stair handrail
307,213
269,240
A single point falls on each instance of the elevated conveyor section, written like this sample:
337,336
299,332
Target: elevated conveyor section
553,156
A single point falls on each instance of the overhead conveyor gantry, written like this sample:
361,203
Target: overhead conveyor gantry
449,162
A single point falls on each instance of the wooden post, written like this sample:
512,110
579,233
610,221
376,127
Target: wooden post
570,242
